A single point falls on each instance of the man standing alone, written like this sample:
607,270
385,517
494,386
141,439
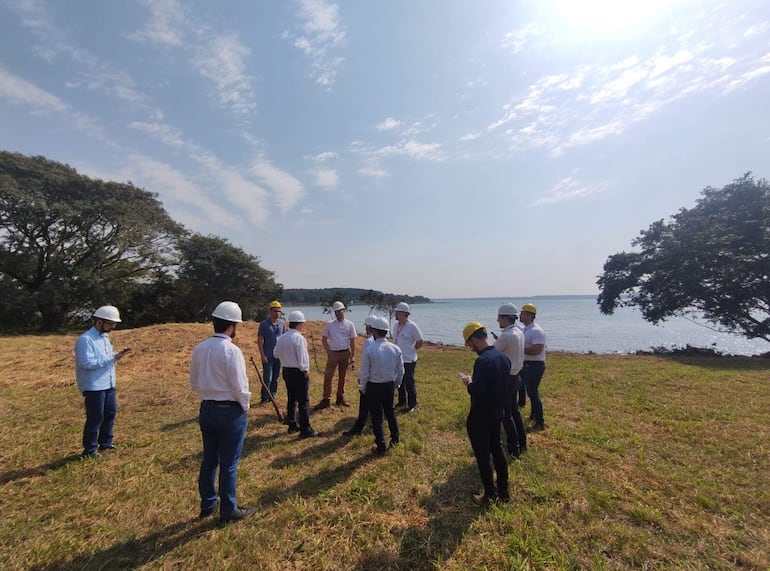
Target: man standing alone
339,341
408,337
95,375
488,389
534,364
269,331
218,377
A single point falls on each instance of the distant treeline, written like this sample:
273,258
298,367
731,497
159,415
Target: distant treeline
350,295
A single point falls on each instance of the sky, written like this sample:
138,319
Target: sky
443,148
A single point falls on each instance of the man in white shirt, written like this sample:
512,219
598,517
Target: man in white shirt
218,377
291,351
408,337
511,343
534,364
382,369
339,340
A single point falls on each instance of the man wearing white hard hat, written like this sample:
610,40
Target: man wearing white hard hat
339,340
95,375
511,344
407,335
382,368
218,377
291,350
363,409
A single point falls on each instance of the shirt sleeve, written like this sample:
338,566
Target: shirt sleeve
239,382
87,356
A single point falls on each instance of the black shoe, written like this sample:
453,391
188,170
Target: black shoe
341,402
514,453
352,432
93,454
309,434
393,443
207,512
484,500
322,405
504,499
376,450
107,447
537,427
238,514
399,405
412,409
293,428
263,401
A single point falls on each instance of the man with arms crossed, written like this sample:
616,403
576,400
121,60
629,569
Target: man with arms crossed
511,344
534,364
408,337
218,377
339,341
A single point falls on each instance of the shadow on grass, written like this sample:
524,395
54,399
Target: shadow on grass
180,424
450,513
137,552
41,470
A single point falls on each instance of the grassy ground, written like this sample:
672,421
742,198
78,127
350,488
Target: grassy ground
648,462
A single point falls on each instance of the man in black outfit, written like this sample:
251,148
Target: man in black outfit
488,388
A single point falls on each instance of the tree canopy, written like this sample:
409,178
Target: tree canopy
71,242
712,259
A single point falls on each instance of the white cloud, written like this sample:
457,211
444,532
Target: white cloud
222,61
326,178
166,133
373,171
388,124
323,157
287,190
163,27
568,188
414,149
320,33
22,92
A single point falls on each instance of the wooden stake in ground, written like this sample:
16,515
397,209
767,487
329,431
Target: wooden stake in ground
267,389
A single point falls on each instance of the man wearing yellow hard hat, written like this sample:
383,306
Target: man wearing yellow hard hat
267,335
488,387
534,364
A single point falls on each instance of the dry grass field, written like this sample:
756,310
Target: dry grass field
648,462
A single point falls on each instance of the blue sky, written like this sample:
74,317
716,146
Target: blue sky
437,147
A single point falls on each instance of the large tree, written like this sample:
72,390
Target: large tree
71,242
213,270
712,259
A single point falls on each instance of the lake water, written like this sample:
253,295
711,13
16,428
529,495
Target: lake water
571,323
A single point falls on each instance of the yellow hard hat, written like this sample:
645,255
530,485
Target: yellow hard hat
530,307
275,304
471,328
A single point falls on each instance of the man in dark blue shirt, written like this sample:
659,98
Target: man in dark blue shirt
487,387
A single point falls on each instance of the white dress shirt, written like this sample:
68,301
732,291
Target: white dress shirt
291,350
511,342
218,371
382,363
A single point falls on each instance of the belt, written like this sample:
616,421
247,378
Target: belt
534,363
222,403
340,350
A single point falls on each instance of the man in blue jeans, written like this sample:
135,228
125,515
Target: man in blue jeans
269,331
218,377
95,375
534,364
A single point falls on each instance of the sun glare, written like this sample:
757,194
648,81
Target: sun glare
606,17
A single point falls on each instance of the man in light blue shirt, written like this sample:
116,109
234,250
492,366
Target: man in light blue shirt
95,375
382,369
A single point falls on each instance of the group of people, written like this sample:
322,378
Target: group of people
218,377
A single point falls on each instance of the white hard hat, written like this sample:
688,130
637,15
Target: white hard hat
337,305
296,317
228,311
380,323
402,307
508,309
369,319
108,313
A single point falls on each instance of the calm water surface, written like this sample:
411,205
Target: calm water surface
571,323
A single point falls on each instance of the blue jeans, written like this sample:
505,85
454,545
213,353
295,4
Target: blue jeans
101,408
532,374
223,427
270,372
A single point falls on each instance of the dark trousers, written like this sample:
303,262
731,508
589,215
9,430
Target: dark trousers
101,408
483,427
407,392
513,424
363,412
223,427
270,373
379,399
531,374
522,394
297,385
